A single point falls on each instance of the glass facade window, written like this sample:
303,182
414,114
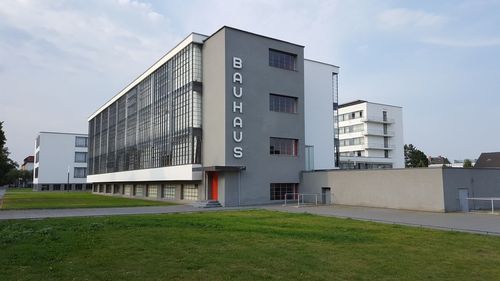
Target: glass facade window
155,124
37,157
80,172
81,157
169,192
153,190
352,129
282,146
36,172
139,190
81,141
128,190
351,115
190,192
278,190
353,141
282,60
280,103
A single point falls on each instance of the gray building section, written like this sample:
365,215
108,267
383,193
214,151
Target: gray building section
247,180
422,189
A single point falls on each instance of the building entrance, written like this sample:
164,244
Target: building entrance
213,186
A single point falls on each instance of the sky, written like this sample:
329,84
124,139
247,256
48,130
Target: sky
439,60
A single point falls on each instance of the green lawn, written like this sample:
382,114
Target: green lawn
244,245
23,198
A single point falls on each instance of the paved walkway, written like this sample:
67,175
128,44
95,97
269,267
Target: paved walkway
466,222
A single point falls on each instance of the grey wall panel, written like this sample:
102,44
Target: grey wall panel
479,182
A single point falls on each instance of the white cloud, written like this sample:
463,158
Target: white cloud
394,19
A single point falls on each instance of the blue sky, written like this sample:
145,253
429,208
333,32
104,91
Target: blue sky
440,60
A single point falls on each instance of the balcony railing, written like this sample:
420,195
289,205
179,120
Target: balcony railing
378,146
378,133
377,119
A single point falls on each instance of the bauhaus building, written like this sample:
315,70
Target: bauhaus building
234,117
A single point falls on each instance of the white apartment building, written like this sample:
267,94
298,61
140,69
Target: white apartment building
60,162
371,136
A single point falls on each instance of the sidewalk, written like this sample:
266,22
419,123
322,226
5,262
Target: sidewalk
466,222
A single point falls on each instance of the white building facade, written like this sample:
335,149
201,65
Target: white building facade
321,108
60,162
371,136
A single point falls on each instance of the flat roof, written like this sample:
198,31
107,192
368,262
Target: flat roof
317,61
351,103
62,133
248,32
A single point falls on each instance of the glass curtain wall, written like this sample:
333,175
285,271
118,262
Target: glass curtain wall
155,124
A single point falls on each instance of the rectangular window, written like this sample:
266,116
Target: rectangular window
353,141
128,190
37,141
279,103
279,190
190,192
81,141
153,190
37,157
282,60
36,172
56,187
80,172
282,146
169,192
81,157
139,190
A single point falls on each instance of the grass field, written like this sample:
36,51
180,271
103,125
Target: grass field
23,198
244,245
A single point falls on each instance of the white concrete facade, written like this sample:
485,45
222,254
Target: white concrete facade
320,86
371,136
56,158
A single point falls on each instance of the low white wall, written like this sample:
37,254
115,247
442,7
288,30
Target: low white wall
410,189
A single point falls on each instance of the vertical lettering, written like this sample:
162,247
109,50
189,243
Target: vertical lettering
237,106
237,78
237,122
237,152
237,63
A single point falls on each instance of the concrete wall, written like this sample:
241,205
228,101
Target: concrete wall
410,189
479,183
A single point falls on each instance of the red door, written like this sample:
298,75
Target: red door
214,186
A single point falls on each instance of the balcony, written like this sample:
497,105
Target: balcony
365,159
373,132
377,119
380,146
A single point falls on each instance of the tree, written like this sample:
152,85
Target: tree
6,164
414,157
467,163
